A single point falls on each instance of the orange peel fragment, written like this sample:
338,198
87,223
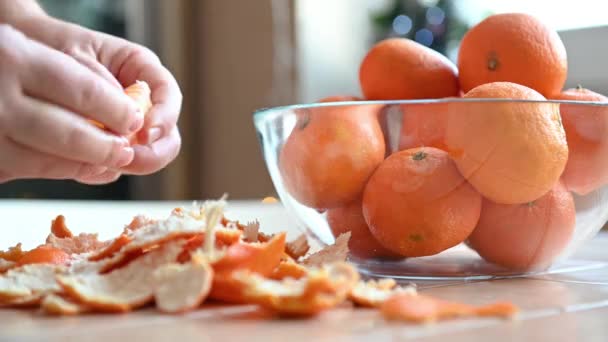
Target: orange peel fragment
179,225
44,254
260,258
111,249
250,231
28,282
123,289
79,244
288,269
13,254
137,222
6,265
420,309
57,305
331,253
373,293
298,247
59,229
321,289
182,287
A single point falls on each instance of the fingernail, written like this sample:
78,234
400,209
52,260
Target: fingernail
124,141
125,157
154,134
138,123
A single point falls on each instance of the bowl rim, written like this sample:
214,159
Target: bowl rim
265,111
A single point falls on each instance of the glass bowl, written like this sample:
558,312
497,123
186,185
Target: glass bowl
443,189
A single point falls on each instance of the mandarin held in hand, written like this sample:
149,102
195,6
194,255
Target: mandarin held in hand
140,93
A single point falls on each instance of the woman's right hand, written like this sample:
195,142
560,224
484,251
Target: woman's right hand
46,99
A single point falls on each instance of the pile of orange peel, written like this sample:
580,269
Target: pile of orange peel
197,255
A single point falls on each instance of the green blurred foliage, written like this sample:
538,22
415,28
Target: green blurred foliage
445,35
102,15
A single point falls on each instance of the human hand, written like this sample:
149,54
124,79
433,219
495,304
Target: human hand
46,98
122,63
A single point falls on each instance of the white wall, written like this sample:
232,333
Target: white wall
587,57
332,38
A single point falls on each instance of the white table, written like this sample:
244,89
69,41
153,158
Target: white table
559,307
29,221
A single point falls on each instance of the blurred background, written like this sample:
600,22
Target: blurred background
232,57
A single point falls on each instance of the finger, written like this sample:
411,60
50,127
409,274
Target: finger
53,130
107,177
95,67
19,161
164,114
151,158
60,79
166,94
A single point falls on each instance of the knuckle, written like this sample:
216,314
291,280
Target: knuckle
9,54
45,167
147,53
71,51
8,32
87,170
74,138
24,121
88,92
110,153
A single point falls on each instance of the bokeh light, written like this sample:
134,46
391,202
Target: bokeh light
435,15
424,37
402,24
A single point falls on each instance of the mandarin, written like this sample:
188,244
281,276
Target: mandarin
331,153
339,98
141,94
399,68
587,134
423,124
525,236
362,243
513,47
511,152
417,204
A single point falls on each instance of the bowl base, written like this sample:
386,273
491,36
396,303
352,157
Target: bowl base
458,264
